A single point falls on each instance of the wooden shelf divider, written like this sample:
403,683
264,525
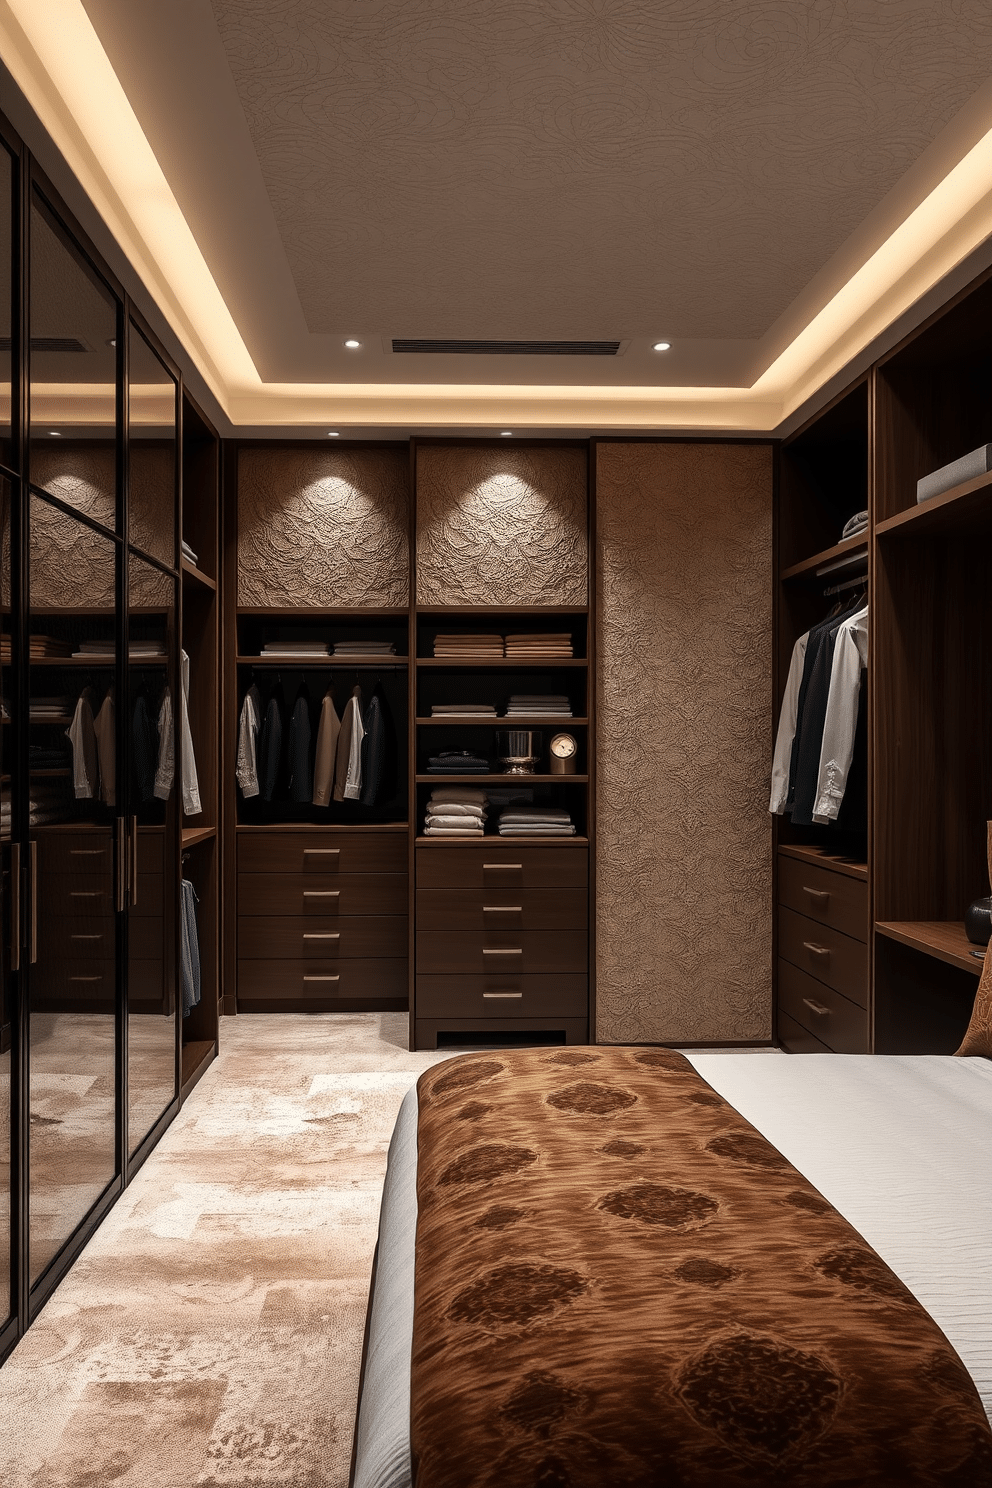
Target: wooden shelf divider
945,940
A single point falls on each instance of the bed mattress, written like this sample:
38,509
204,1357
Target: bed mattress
898,1144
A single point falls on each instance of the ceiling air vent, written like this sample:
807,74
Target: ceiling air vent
50,343
509,348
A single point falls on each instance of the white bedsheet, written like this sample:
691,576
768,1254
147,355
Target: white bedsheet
901,1145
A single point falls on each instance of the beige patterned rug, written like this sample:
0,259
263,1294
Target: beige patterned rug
210,1335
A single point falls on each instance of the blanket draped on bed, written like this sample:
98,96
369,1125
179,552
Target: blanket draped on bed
619,1281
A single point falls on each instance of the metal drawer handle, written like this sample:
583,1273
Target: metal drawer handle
814,949
321,852
86,937
502,909
86,979
335,978
816,1007
322,893
815,893
322,935
492,995
87,852
85,893
502,867
518,951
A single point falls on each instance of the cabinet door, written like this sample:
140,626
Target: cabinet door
72,847
152,720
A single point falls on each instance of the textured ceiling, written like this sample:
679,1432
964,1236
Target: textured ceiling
584,168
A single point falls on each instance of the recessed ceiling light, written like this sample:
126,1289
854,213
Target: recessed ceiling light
54,434
506,434
333,434
353,345
662,346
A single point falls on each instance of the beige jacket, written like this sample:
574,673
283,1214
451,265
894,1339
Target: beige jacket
342,754
327,740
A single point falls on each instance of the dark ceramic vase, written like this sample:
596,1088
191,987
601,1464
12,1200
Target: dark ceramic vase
978,922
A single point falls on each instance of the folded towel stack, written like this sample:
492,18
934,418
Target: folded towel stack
533,705
854,526
535,821
468,647
457,762
364,648
527,646
455,812
462,710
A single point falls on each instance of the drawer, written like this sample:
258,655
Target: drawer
77,936
145,937
75,852
831,898
72,896
503,951
308,894
68,984
497,865
145,986
825,953
318,852
321,981
151,850
297,937
830,1017
151,896
796,1039
498,996
502,909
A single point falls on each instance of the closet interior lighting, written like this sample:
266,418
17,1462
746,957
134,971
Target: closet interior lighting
352,344
506,434
662,346
333,434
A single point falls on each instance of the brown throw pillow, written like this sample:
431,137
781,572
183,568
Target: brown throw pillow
978,1039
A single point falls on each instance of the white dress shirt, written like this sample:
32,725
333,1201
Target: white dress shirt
837,750
782,757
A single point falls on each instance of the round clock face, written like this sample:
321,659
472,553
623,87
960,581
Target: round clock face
563,746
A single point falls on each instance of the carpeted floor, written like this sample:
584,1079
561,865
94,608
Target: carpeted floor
211,1333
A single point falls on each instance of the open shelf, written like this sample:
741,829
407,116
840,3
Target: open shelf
962,510
488,838
853,548
511,663
836,862
325,663
199,577
193,835
485,720
311,827
502,780
945,940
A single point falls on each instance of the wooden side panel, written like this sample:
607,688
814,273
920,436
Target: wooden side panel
684,739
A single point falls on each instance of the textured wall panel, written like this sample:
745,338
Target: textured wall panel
684,893
323,528
501,526
84,477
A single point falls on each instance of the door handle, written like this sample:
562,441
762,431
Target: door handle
814,949
121,866
15,906
816,1007
134,860
33,847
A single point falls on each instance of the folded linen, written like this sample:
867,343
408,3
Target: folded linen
534,814
854,524
470,826
449,832
457,808
458,793
544,829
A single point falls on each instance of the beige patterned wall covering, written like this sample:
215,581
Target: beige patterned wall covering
684,891
502,526
323,528
85,478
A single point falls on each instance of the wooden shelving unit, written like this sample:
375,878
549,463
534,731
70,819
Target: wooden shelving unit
945,940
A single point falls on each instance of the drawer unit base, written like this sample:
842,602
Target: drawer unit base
434,1033
280,983
825,953
831,1018
486,997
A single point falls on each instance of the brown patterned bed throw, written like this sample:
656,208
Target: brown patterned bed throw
620,1282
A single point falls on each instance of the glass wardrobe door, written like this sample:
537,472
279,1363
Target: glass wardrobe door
153,723
7,909
151,452
6,303
72,773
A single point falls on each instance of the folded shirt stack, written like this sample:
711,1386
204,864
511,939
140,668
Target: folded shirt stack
50,707
40,646
304,650
468,647
532,705
457,762
455,812
143,650
535,821
463,710
854,526
364,648
188,552
525,646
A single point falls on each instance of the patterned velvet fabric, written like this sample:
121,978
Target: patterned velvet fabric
978,1039
619,1281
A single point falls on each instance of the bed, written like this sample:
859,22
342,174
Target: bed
663,1384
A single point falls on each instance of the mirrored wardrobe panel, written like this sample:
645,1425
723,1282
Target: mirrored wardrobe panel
152,455
9,911
73,841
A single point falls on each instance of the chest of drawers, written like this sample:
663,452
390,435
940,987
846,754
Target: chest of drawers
823,981
502,942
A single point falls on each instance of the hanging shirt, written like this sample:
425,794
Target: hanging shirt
166,770
300,777
248,727
840,725
270,747
82,737
327,737
191,786
144,736
782,756
353,782
105,729
190,948
343,753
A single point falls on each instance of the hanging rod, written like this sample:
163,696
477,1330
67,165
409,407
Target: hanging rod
859,582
